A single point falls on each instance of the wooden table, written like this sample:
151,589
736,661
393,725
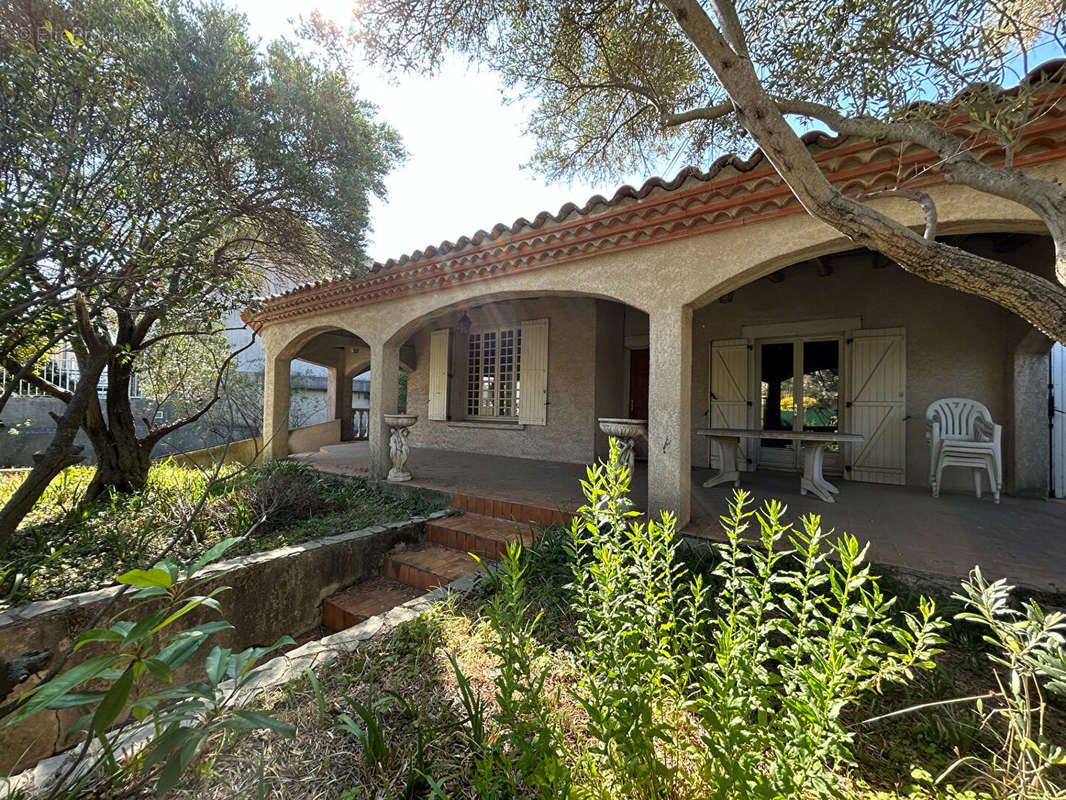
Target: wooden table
813,442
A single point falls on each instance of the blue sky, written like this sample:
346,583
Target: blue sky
466,148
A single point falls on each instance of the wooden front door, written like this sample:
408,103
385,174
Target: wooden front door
638,384
638,392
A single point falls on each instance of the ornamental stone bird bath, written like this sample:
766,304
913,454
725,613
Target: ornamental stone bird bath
398,448
626,431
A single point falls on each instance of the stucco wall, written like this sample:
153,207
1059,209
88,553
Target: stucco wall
957,345
312,437
569,434
272,594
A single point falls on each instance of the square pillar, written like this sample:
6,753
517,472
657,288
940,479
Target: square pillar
1027,445
384,389
339,399
275,408
670,413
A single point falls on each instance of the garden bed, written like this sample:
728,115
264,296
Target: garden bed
406,677
64,547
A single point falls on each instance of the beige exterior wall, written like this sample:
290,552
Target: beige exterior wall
584,377
957,346
956,343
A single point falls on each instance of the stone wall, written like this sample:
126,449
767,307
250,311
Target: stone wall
271,594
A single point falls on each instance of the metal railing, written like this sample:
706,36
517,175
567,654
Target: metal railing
61,370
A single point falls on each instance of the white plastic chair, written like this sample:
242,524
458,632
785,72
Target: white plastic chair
962,434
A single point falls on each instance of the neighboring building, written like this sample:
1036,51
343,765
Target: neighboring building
27,427
710,298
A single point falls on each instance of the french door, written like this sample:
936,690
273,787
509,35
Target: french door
799,389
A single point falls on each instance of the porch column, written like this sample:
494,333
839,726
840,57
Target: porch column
339,398
1027,453
670,413
275,407
384,388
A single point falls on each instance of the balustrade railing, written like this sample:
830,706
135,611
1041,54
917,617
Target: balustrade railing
360,423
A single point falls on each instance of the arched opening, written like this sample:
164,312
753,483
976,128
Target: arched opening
316,391
548,366
849,342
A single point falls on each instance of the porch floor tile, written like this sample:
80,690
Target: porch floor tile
1021,539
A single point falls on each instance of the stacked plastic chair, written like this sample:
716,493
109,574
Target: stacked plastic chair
962,434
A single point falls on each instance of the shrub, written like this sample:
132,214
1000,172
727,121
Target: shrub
131,681
282,493
689,694
1027,651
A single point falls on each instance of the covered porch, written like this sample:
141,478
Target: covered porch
1020,539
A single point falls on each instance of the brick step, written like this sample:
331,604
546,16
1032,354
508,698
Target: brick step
364,600
486,537
506,510
428,566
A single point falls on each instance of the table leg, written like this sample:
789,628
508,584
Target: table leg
727,460
813,481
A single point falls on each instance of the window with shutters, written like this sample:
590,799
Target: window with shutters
493,366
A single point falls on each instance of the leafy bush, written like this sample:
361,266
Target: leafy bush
287,492
143,649
689,694
1027,651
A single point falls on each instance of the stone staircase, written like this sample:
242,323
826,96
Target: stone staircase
484,529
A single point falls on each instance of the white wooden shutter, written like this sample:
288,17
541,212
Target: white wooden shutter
533,373
730,387
877,384
1058,424
438,373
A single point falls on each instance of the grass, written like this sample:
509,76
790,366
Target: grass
405,677
65,546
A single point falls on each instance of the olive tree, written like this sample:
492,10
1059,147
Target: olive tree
156,166
618,84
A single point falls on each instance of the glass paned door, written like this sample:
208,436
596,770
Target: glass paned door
810,402
821,394
776,389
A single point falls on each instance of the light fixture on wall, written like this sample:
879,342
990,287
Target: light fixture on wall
463,325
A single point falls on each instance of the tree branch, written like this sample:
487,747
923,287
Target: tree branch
922,198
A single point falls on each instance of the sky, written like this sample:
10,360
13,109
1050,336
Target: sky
465,148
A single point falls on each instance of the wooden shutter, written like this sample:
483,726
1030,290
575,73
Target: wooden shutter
730,387
533,373
1058,424
438,373
877,384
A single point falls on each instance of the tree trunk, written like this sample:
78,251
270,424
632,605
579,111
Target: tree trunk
1037,300
122,459
60,453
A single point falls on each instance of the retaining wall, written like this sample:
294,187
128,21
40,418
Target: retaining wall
272,594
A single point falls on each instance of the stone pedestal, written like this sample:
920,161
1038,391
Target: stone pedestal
398,447
626,431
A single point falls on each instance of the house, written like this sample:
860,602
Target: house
711,299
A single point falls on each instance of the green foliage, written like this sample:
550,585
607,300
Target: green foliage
67,546
158,170
531,734
605,78
1027,651
802,632
370,734
687,692
136,662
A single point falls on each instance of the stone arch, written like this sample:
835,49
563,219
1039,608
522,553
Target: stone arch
284,344
435,308
833,243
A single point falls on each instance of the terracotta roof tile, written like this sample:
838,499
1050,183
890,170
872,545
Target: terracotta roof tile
723,168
